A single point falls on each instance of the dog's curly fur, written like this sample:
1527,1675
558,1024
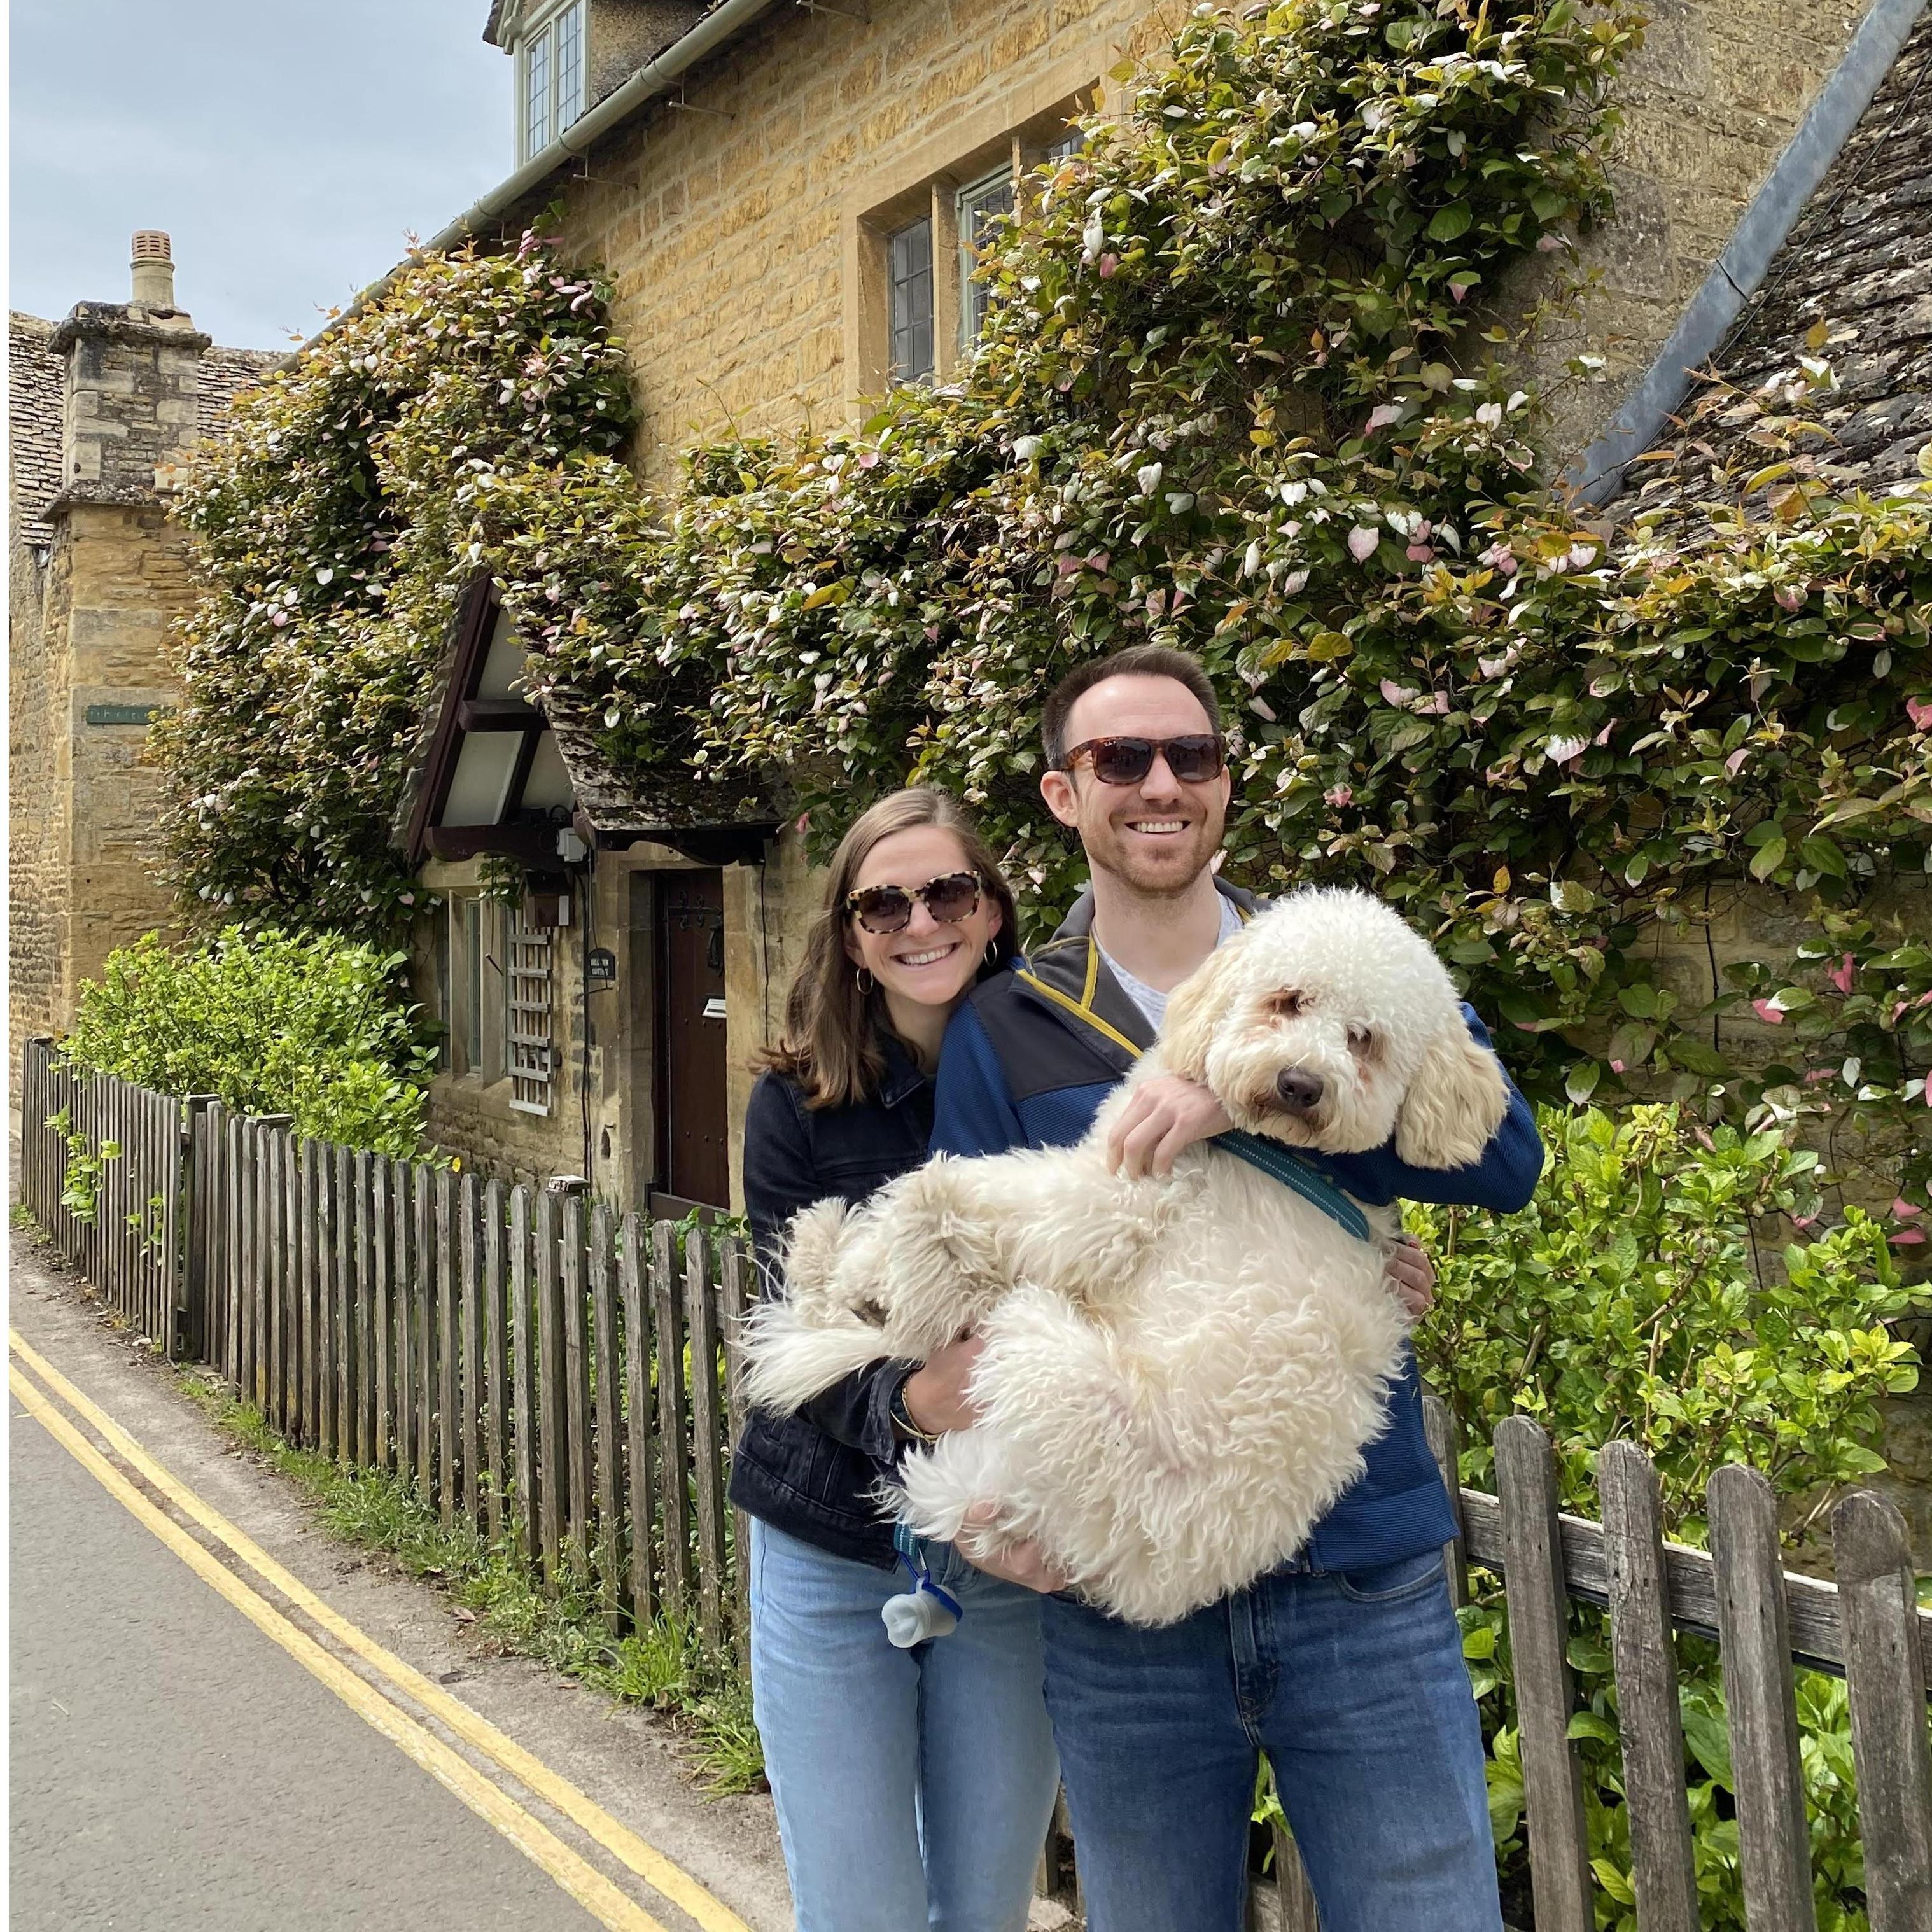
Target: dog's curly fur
1179,1376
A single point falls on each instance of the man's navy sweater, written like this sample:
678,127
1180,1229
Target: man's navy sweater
1029,1061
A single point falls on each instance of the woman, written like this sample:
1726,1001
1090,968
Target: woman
912,1787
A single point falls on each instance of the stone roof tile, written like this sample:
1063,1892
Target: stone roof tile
1851,286
34,425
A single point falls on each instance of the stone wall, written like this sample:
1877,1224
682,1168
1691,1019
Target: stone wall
36,856
734,228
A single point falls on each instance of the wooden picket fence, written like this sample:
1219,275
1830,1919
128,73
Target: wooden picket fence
543,1368
533,1364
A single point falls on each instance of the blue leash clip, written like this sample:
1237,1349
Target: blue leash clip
924,1612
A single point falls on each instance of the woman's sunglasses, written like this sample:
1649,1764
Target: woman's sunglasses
1123,761
881,909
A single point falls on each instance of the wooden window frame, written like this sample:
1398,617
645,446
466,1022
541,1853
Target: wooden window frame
563,85
1014,129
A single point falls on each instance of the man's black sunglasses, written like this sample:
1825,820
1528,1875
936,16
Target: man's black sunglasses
1193,760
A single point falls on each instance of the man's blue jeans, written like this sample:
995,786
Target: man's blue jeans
1353,1684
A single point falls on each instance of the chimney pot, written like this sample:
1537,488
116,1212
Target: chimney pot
154,270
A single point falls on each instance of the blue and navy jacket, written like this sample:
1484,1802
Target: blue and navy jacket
1028,1062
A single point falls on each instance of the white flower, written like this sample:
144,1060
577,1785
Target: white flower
1093,237
1292,493
1490,416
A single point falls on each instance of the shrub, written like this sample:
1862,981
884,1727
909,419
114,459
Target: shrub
271,1022
1640,1297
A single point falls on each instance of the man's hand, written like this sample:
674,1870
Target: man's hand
1163,1116
1020,1563
935,1396
1410,1272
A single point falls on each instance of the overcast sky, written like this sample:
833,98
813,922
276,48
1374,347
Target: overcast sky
290,147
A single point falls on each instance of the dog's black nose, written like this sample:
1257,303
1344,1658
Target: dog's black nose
1298,1089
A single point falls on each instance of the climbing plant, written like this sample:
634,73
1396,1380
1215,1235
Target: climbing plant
1250,385
322,528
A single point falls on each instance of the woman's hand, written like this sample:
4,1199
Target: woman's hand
935,1396
1163,1116
1020,1563
1410,1272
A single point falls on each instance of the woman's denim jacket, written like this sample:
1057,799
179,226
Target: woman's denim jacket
811,1474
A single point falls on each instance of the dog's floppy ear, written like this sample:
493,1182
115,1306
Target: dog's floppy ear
1455,1102
1195,1010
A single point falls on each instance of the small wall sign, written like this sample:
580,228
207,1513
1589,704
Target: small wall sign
123,714
714,1009
600,967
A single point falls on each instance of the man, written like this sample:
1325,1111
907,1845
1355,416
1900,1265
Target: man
1345,1665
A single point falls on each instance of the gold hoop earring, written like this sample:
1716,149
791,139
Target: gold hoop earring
862,978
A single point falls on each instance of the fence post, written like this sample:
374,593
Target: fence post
1559,1846
1649,1724
1445,1444
1884,1675
1753,1625
190,1330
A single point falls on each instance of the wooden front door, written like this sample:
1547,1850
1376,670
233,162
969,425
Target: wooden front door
693,1149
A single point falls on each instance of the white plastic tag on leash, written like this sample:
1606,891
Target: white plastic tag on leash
924,1611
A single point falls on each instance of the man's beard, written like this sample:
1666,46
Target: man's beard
1170,881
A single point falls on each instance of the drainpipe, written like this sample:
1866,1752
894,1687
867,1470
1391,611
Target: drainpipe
1597,473
653,78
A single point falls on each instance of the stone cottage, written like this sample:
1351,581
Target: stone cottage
104,408
788,199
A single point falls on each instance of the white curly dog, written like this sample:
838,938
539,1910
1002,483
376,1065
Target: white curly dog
1179,1376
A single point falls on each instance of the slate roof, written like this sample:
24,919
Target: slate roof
1851,286
33,378
34,425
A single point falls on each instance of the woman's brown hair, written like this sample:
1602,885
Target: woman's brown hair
830,1044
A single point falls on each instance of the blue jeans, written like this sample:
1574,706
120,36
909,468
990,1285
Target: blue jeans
914,1787
1355,1686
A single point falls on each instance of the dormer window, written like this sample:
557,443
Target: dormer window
550,64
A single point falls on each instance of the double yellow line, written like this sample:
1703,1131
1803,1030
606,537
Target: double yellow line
376,1702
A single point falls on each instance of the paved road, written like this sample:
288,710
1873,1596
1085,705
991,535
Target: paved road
173,1766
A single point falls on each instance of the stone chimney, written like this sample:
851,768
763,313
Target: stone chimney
154,267
132,390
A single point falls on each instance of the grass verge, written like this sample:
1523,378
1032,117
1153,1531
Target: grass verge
664,1666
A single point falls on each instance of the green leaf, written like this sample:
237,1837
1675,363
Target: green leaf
1449,223
1767,859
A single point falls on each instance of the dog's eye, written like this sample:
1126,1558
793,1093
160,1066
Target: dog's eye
1284,1006
1361,1041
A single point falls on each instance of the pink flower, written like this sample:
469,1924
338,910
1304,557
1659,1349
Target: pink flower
1603,737
1805,1220
868,459
1903,1210
1732,763
1107,265
1919,710
1420,552
1908,1237
1789,597
1397,694
1338,795
1840,975
1616,1067
1362,542
1768,1011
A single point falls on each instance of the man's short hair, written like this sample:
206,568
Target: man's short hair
1137,661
